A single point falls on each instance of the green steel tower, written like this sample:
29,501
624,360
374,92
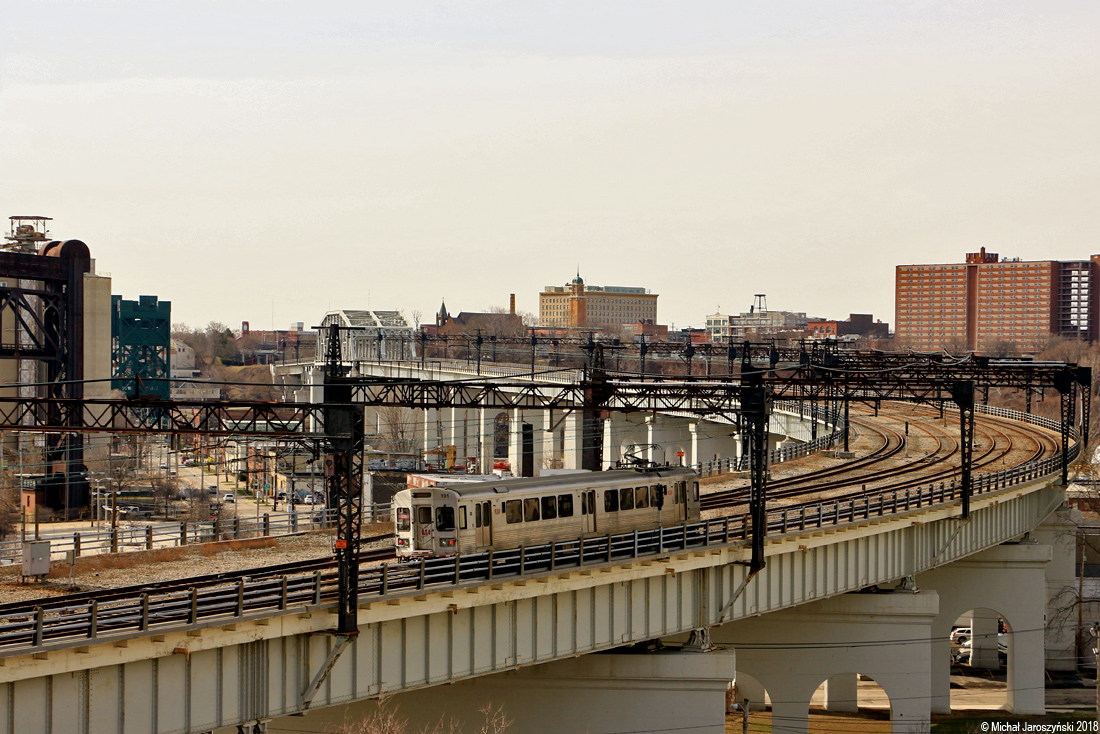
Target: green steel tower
141,333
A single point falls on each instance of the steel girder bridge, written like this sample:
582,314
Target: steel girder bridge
335,427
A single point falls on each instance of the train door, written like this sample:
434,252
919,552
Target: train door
691,507
483,523
681,502
425,526
588,511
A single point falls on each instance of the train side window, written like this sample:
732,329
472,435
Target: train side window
584,503
531,509
641,497
403,524
591,501
549,507
610,501
477,515
462,518
487,514
423,516
679,493
513,511
657,496
695,491
444,518
565,505
626,498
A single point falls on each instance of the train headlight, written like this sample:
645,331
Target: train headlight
402,542
447,541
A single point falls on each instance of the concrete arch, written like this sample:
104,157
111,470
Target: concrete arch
1010,579
984,624
840,693
792,652
746,687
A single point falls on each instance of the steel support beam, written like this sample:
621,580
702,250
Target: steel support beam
963,395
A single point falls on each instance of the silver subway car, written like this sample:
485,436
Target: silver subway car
508,513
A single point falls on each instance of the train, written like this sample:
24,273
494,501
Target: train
470,517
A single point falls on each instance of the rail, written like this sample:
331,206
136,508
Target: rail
168,535
779,455
79,623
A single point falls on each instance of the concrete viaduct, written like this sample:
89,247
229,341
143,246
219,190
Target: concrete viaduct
525,641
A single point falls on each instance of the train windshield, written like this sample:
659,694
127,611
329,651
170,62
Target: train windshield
423,515
444,518
403,524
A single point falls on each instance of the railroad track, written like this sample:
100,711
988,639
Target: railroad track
319,574
226,578
892,443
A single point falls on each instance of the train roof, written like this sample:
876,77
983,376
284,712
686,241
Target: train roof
577,480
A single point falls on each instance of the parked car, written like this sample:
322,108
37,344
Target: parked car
133,512
229,498
963,654
959,635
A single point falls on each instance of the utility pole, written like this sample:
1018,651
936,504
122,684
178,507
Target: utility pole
114,501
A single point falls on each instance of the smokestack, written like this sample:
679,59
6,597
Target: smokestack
512,304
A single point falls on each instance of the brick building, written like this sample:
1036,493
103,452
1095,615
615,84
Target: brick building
987,301
578,305
856,325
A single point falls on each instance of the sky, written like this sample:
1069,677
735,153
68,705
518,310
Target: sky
271,161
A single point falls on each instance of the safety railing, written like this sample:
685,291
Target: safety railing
139,537
244,597
779,455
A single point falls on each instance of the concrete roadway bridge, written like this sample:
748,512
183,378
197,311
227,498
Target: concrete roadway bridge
517,629
556,437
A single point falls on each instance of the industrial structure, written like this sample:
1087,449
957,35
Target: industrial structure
578,305
757,323
245,652
55,320
987,302
141,333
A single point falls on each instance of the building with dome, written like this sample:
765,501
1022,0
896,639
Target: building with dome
578,305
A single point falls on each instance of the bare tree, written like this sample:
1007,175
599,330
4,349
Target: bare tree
398,427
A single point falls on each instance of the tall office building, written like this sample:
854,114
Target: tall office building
987,301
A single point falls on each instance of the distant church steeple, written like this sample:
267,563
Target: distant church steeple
442,316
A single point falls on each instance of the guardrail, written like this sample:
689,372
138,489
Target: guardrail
79,623
727,465
169,535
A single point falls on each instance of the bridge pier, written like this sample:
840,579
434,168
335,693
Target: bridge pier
842,693
666,691
791,652
1059,531
486,434
1010,581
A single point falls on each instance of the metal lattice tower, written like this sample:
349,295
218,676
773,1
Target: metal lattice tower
141,333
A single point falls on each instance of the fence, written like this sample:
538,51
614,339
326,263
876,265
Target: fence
90,620
168,535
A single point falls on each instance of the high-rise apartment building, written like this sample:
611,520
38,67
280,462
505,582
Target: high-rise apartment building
986,301
578,305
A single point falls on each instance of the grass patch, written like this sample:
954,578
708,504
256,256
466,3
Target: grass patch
129,559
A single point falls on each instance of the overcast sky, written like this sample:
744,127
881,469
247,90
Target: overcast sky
270,161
